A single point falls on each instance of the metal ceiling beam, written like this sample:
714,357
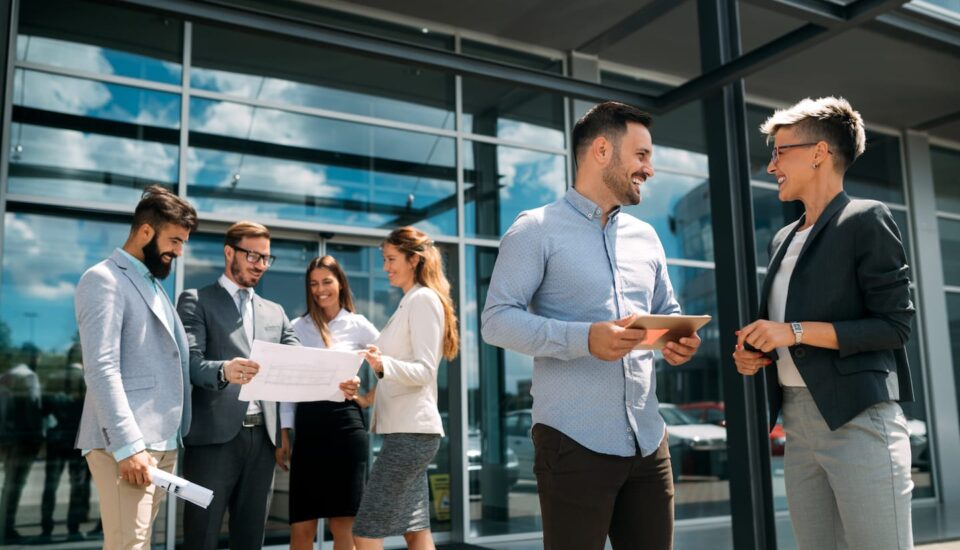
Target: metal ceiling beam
916,31
628,26
949,118
251,21
777,50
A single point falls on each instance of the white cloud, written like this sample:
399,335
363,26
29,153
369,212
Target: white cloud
50,291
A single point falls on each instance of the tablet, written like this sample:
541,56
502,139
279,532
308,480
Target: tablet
667,328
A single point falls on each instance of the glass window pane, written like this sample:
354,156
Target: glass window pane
41,364
678,208
916,413
945,164
950,250
759,150
493,108
500,182
877,174
105,39
503,489
80,139
769,216
289,71
511,56
695,388
261,162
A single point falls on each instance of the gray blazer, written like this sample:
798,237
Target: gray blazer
852,272
137,380
215,332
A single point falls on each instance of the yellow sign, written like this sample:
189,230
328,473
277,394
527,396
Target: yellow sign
440,489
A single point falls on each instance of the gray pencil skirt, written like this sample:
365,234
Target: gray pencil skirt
396,499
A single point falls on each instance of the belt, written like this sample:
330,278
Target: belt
252,420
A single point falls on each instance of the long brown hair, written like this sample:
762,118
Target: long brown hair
346,297
429,273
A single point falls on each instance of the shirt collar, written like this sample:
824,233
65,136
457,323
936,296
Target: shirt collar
138,265
587,207
231,287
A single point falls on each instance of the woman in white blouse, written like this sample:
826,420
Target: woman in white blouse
405,359
329,461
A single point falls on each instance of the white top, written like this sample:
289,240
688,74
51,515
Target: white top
348,332
412,347
234,290
787,371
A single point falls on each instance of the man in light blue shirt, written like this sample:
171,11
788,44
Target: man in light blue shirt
569,279
136,368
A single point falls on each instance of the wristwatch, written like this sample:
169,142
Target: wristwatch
221,375
797,332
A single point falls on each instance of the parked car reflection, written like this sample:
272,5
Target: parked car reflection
713,412
696,449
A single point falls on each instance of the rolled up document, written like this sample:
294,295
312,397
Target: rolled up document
181,488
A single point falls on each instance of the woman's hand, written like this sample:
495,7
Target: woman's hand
374,358
350,387
366,400
283,452
749,362
766,335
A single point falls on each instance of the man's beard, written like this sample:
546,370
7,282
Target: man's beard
238,275
613,179
153,259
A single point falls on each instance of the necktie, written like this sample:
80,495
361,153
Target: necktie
246,313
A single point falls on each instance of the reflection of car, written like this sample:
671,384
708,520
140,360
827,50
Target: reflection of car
713,413
695,448
918,442
518,425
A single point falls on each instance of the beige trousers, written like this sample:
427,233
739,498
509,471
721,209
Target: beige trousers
127,511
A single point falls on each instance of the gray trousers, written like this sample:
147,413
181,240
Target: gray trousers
240,473
849,488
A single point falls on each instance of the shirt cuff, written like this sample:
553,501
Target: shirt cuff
129,450
578,339
288,412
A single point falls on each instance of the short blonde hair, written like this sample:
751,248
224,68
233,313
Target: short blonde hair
828,119
240,230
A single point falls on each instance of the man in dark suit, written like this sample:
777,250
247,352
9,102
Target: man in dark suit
231,444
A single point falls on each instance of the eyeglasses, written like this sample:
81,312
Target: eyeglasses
778,149
256,257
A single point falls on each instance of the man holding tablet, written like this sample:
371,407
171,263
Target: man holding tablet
569,280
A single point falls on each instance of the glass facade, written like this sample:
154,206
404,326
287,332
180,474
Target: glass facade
331,149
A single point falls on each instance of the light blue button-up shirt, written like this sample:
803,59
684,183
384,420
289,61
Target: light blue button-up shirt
559,271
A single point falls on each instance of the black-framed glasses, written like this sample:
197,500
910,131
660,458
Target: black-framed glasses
256,257
775,153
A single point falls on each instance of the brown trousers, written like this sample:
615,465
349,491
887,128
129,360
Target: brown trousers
586,496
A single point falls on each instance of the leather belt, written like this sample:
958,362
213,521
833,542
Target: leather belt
252,420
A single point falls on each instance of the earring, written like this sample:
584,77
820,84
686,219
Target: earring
815,165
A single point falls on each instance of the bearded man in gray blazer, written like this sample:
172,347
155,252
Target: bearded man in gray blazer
232,443
136,368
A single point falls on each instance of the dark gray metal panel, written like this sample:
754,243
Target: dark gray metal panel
386,48
731,208
7,55
628,25
928,274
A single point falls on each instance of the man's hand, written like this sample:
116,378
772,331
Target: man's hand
681,351
239,370
283,452
766,335
611,340
134,469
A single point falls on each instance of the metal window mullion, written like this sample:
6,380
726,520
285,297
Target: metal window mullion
322,113
510,143
948,215
98,77
14,6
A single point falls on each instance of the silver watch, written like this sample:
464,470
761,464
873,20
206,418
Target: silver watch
797,332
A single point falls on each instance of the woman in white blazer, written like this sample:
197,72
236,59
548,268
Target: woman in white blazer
405,359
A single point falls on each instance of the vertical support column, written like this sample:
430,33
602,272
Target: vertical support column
583,67
751,493
932,309
8,53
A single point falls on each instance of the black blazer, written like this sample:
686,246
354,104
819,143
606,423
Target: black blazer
852,272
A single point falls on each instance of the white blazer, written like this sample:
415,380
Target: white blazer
412,345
